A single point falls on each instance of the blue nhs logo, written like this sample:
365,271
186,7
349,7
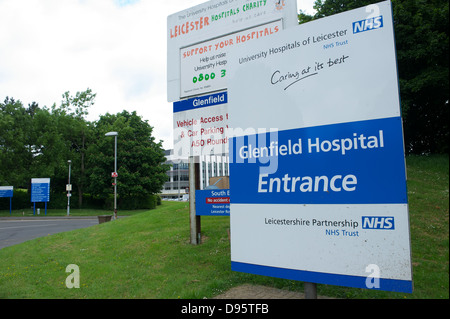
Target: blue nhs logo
368,24
378,222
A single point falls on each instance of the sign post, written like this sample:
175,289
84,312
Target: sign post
7,191
114,174
68,189
318,171
194,183
40,192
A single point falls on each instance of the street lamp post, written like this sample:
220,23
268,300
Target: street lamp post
69,188
115,170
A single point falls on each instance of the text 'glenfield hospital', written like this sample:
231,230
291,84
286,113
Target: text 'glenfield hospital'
313,145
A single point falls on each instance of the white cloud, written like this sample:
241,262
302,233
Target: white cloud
115,47
306,6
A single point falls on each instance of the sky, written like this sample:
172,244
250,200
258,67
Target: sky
117,48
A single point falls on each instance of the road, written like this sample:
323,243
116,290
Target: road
16,231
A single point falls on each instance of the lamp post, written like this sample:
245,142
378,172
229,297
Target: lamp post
68,188
115,170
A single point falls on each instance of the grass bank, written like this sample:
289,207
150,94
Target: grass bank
30,212
148,255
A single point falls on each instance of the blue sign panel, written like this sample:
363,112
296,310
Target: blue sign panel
6,191
200,101
357,163
40,190
212,202
368,24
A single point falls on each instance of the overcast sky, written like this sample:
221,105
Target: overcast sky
117,48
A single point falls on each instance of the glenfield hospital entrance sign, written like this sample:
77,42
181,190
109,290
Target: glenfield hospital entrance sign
317,167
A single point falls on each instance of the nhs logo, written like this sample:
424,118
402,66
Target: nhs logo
368,24
378,222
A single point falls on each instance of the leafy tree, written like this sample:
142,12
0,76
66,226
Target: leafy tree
421,33
37,142
30,143
422,43
79,104
303,17
76,133
48,145
16,147
32,108
139,162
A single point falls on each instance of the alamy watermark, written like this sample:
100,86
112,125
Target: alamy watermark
73,280
373,279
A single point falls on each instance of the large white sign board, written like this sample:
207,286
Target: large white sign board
204,65
199,38
198,43
317,170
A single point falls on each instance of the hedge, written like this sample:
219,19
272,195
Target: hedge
22,200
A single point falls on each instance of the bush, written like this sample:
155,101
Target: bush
135,202
57,201
22,200
93,202
158,200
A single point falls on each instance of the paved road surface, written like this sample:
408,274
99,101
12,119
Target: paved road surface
15,231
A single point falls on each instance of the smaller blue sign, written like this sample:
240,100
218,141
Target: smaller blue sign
368,24
212,202
40,190
6,191
200,101
378,222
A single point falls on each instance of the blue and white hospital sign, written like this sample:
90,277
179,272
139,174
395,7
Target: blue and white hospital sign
40,190
6,191
317,166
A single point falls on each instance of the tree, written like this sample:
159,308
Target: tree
421,34
303,17
422,43
16,147
37,142
329,7
77,134
30,143
48,147
140,159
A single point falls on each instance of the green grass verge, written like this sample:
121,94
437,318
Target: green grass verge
29,212
148,255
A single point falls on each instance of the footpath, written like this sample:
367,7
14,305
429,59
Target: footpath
248,291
